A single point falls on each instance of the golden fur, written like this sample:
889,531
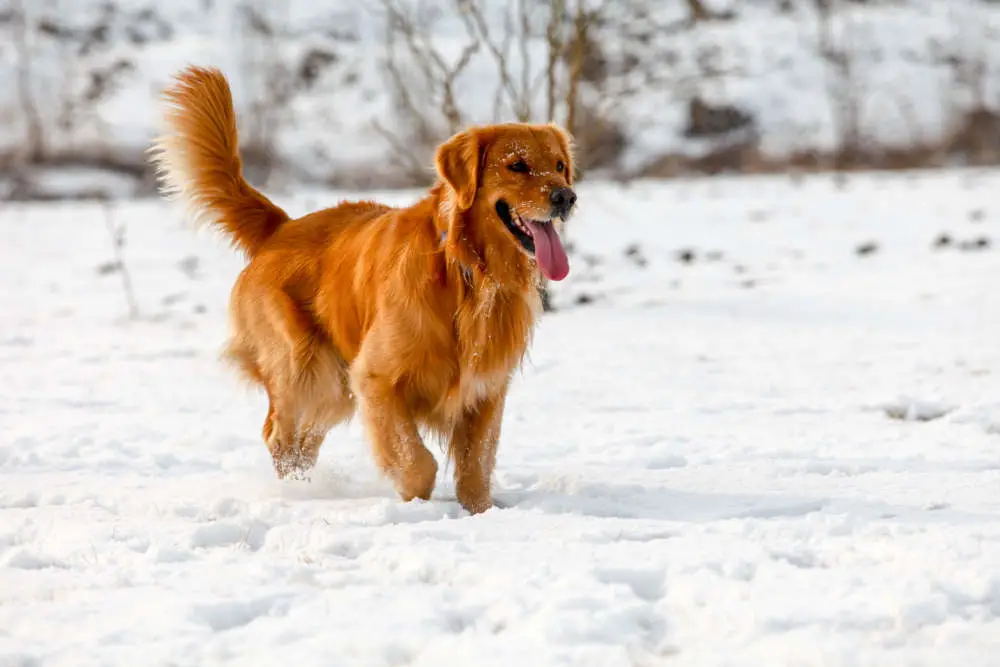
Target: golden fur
414,317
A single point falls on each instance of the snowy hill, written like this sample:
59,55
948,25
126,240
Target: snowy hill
758,85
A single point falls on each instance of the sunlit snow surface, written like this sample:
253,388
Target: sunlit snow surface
770,436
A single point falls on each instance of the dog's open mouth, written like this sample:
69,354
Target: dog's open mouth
539,238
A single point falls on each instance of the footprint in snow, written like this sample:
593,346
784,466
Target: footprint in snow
905,408
229,615
223,534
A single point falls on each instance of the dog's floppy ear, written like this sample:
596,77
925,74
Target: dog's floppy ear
457,162
566,143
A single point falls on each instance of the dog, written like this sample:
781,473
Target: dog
414,317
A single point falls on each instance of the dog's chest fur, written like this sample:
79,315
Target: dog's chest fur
493,329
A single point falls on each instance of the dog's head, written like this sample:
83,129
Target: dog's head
517,180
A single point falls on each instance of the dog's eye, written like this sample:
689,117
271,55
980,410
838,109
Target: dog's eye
521,167
560,166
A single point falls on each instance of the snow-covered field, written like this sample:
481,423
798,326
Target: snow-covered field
785,451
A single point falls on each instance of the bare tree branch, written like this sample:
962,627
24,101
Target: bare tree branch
450,109
698,11
523,40
554,38
438,75
476,25
581,25
400,148
33,123
116,232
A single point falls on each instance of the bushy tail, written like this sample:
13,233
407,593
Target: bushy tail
198,161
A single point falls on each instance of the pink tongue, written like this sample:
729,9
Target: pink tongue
549,251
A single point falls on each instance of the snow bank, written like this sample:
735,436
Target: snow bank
95,68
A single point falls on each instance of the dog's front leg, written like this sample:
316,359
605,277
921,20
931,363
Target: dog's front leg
396,445
474,448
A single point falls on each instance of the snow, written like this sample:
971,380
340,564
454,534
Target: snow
777,451
913,76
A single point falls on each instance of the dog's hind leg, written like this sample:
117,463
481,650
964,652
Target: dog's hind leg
280,437
283,339
278,344
278,430
329,399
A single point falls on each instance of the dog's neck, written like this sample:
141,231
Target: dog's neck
468,257
467,273
495,285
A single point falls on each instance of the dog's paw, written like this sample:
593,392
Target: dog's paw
476,505
293,468
299,475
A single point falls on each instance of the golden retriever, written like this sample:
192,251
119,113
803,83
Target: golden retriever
415,317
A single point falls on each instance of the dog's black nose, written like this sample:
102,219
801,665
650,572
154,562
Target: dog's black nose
562,201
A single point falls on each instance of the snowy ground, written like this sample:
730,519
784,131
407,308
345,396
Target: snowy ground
782,452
